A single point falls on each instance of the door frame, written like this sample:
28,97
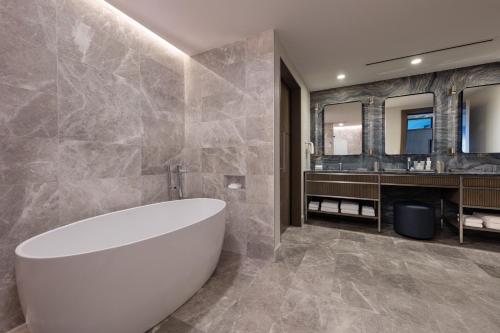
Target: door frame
295,145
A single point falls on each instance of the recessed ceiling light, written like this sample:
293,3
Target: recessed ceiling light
416,61
340,76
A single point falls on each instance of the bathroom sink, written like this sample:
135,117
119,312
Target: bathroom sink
396,170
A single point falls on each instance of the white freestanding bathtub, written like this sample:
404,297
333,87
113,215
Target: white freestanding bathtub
121,272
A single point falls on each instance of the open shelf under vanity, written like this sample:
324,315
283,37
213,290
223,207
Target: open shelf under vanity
467,193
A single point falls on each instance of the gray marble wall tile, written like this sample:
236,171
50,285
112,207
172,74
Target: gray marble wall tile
33,21
259,130
222,133
212,185
82,36
30,67
10,309
260,159
87,198
229,115
155,189
227,62
162,143
235,239
191,157
163,53
193,187
260,189
26,160
260,231
258,70
259,45
163,90
86,160
91,109
227,160
95,105
27,113
222,105
27,210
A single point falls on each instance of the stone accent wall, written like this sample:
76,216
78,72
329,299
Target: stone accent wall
446,110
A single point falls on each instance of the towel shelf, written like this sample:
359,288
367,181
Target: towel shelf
466,191
343,214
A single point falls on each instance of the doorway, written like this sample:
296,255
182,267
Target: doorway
290,150
284,157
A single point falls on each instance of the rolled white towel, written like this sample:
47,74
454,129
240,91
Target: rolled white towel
492,225
349,205
474,224
350,211
330,203
313,205
329,209
368,211
472,219
492,219
488,217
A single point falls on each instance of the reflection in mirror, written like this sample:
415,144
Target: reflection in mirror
481,119
343,129
409,122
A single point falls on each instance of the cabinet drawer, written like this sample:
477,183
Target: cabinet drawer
421,180
332,177
486,198
347,190
485,182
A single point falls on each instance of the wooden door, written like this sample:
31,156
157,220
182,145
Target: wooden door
285,156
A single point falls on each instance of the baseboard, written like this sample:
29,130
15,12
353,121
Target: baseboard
19,329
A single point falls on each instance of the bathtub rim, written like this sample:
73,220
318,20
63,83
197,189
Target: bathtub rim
19,248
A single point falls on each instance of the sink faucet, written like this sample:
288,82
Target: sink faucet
408,164
340,166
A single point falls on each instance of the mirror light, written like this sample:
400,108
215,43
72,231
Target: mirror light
416,61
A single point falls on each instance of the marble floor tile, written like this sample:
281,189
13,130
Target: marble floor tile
491,270
324,282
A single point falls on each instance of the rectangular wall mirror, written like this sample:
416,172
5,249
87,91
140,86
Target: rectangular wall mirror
343,129
409,124
481,119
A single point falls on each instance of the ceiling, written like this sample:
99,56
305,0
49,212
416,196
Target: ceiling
327,37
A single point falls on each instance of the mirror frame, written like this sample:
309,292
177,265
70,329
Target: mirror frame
433,147
322,137
459,122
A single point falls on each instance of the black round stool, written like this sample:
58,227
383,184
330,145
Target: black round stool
414,219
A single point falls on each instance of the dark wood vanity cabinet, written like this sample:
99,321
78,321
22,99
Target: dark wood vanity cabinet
441,181
466,191
481,192
347,186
